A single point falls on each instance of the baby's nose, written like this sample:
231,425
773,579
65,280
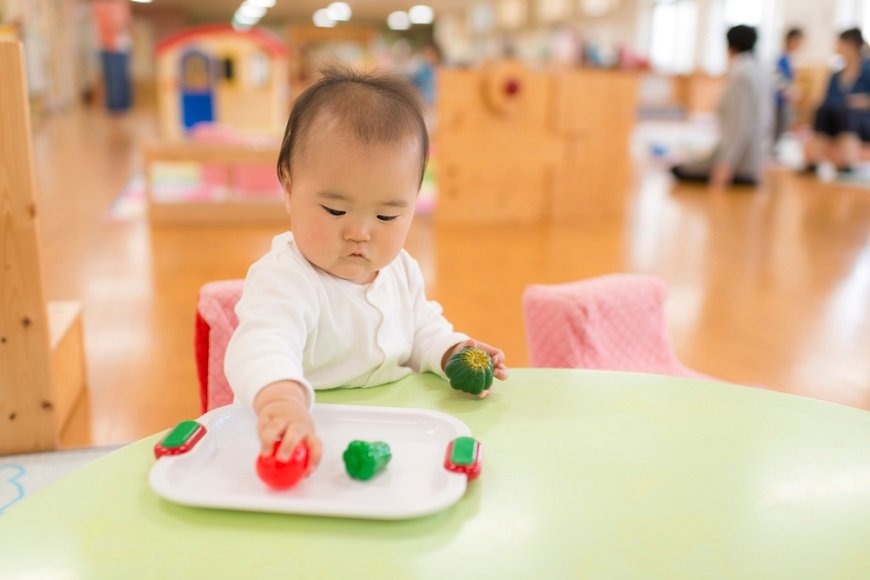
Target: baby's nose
357,232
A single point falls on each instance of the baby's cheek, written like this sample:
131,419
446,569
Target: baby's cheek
316,241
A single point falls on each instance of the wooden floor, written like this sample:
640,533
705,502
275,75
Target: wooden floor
770,288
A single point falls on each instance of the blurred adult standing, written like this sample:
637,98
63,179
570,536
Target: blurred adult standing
744,120
425,75
112,22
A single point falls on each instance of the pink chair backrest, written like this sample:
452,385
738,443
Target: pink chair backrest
614,322
215,323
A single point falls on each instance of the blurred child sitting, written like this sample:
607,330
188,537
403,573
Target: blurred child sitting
843,120
786,92
743,121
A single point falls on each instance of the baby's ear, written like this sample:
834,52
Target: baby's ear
287,186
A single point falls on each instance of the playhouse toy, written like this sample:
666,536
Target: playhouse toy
282,475
180,440
464,456
470,370
216,74
363,459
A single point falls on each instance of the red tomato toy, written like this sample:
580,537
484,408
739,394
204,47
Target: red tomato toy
280,475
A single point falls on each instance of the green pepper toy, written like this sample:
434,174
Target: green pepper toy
470,370
363,459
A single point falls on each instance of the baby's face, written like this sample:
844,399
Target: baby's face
351,204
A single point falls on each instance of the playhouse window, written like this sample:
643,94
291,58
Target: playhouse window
228,72
258,70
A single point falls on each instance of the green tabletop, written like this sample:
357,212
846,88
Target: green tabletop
586,475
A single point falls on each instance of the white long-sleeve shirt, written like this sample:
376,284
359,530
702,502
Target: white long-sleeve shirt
301,324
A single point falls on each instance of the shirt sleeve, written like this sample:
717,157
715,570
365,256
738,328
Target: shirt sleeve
275,312
737,125
433,334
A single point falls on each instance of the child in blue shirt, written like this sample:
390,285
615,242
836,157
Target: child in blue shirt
785,89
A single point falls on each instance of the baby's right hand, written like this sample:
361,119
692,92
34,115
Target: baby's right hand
282,414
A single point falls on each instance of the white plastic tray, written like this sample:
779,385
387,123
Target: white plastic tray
219,471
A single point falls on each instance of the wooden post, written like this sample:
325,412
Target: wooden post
27,415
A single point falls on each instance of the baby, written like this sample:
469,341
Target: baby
338,302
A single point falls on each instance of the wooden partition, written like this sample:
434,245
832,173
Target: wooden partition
521,146
42,370
699,93
594,116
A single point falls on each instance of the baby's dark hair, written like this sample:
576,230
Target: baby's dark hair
375,108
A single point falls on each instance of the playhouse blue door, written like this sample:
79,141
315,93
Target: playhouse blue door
197,97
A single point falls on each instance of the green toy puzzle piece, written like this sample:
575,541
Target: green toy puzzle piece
463,451
180,434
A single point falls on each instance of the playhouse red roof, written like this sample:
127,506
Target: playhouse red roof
264,38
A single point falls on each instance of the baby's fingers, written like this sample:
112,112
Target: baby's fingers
292,437
497,358
501,373
270,431
315,451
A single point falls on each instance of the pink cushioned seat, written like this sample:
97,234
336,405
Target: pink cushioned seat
215,322
614,322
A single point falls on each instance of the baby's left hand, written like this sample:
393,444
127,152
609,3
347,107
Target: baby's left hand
499,370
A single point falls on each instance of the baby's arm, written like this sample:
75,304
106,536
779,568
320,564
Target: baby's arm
434,340
263,362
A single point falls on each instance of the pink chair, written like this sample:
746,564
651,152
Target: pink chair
614,322
215,322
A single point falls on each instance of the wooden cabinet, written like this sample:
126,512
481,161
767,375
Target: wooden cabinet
521,146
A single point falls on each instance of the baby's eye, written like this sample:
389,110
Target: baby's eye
387,218
335,212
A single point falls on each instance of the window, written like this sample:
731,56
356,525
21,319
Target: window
227,69
749,12
674,29
258,70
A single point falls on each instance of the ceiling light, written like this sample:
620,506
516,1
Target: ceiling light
143,1
421,14
322,19
245,19
339,11
251,11
398,20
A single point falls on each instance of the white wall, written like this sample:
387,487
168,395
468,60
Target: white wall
817,18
